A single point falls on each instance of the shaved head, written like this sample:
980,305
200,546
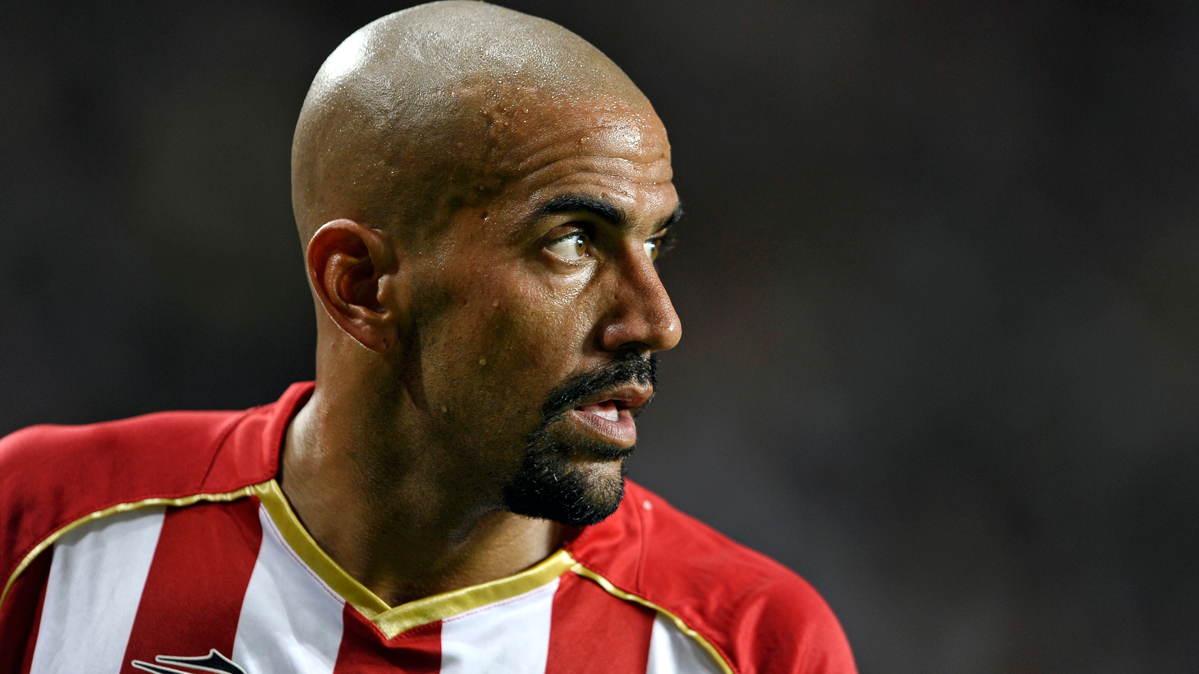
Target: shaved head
415,115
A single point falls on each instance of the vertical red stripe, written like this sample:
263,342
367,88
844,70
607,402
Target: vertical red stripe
363,649
197,580
21,614
593,631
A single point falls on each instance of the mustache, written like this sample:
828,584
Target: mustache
629,368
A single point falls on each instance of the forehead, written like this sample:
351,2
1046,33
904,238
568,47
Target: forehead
605,148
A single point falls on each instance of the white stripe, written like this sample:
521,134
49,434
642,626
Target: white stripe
290,620
95,585
671,651
508,637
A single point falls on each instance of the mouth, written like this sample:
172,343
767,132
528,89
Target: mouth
610,415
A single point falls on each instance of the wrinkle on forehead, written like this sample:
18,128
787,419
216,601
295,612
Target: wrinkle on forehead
520,123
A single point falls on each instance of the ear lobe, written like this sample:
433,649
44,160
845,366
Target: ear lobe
350,268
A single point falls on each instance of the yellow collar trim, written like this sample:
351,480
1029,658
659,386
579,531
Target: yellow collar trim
392,621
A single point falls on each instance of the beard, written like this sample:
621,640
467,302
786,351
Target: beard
550,483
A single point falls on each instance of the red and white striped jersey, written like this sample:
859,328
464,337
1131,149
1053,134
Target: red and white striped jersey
163,544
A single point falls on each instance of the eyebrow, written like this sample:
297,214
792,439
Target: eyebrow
574,203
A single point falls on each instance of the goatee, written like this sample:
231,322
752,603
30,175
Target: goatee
548,486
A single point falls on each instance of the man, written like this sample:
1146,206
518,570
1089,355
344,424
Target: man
481,196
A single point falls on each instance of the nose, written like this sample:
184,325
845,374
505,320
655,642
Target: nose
641,317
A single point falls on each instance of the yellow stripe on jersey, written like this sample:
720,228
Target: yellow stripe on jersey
448,604
392,621
678,622
113,510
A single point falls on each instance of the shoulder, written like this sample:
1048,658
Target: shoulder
758,613
134,444
111,462
52,476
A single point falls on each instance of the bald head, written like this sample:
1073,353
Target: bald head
414,116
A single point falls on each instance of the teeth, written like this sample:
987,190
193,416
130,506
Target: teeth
606,410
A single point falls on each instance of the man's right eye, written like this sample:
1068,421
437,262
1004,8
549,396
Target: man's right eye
573,246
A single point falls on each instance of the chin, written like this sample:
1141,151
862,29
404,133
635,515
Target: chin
575,484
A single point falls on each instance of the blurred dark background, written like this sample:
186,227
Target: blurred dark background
938,280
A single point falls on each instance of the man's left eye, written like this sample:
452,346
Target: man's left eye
575,246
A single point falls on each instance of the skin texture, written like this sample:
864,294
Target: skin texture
450,303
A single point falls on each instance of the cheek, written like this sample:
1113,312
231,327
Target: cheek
514,349
511,329
532,329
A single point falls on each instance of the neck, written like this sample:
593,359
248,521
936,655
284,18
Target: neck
394,515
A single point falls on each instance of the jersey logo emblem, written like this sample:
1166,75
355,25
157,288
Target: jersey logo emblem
213,662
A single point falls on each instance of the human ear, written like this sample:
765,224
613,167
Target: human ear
352,269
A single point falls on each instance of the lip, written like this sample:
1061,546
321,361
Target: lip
628,400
